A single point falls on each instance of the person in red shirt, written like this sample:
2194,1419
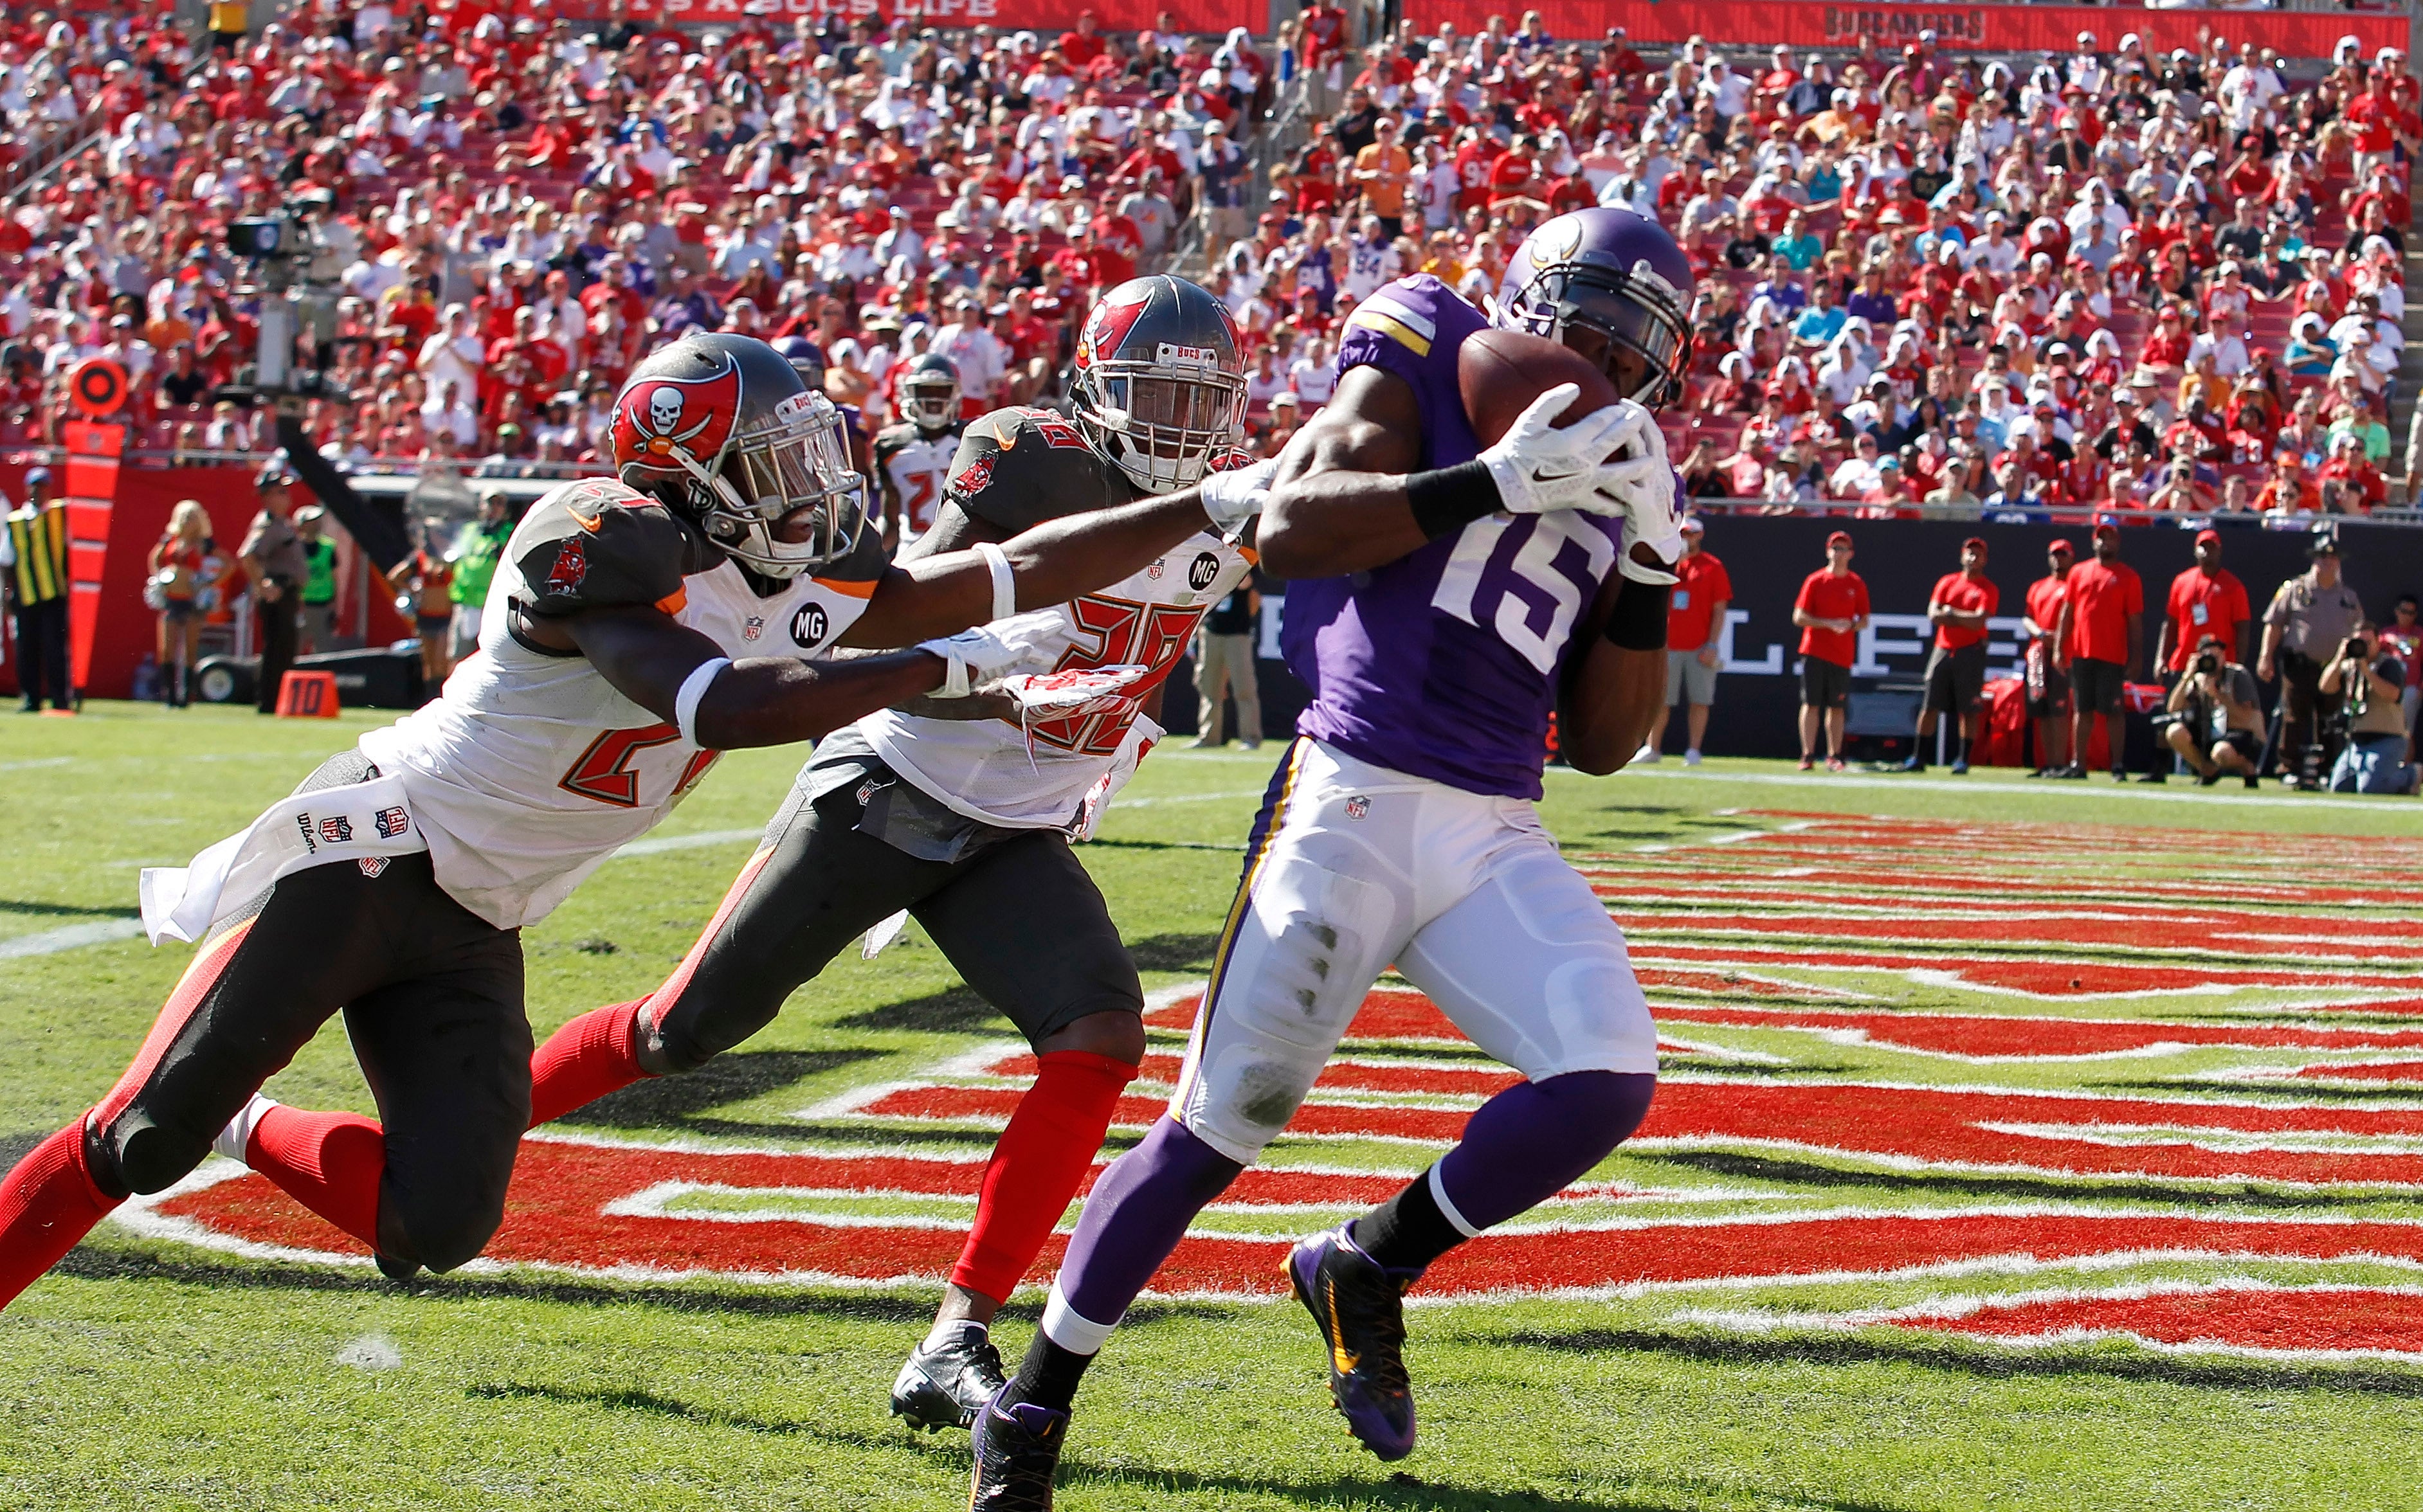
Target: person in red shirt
1082,46
1695,625
2047,659
1955,669
2206,600
1831,610
2099,626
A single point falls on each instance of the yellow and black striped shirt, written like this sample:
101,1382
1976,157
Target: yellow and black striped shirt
38,548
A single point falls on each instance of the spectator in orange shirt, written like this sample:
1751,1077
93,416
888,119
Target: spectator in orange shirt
1383,170
2206,600
2099,626
1831,610
1695,627
1955,669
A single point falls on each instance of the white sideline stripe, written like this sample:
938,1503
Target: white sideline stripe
658,844
2058,790
70,937
44,760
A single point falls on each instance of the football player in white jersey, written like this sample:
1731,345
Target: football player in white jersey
914,457
635,628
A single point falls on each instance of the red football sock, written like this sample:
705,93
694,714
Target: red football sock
595,1054
46,1204
1036,1167
329,1163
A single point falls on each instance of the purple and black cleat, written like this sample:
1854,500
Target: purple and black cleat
1358,1305
1017,1451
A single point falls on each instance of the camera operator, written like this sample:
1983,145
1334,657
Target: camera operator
2311,615
2370,680
2214,717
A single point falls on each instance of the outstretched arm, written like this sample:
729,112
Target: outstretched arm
762,700
947,593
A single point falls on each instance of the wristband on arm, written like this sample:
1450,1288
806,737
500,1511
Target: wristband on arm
1005,582
694,688
1451,498
1638,620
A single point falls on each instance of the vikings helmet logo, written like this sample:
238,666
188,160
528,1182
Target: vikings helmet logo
658,419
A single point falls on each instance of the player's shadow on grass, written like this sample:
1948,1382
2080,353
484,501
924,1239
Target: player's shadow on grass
1401,1491
736,1076
2115,1363
1405,1490
961,1011
64,910
2069,1188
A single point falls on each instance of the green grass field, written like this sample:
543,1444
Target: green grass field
154,1372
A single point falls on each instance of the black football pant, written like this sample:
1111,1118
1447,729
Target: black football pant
432,996
279,630
1014,912
42,653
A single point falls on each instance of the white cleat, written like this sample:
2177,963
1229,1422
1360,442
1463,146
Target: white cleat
1691,757
233,1139
1645,755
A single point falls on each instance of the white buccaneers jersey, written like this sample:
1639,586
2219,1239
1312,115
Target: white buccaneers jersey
1036,778
531,769
915,463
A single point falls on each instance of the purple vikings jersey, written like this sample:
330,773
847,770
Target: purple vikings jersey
1445,664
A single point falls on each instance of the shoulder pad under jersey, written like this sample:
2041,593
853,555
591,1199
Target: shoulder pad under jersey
598,544
893,438
1411,313
1019,467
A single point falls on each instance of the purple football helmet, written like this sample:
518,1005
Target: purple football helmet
1615,280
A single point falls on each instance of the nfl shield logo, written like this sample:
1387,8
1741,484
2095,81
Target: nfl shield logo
372,865
1159,567
755,627
335,830
392,822
1357,805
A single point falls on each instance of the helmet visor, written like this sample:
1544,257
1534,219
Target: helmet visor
1624,322
930,404
1160,429
798,489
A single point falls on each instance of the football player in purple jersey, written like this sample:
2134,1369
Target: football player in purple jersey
1446,600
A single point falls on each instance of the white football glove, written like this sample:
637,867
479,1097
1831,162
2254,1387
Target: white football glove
1027,642
1641,489
1232,497
1133,746
1538,468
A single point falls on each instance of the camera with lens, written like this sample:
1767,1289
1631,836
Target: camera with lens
2207,662
2355,648
264,238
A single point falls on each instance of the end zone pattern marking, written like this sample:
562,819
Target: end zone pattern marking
1763,984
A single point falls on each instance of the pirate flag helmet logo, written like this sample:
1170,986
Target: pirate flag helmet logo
722,428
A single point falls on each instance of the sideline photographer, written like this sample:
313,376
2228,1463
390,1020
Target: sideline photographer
2312,614
2214,715
2371,679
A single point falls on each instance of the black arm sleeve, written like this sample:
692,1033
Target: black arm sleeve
376,526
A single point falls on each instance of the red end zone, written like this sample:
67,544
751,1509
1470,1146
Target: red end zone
2231,980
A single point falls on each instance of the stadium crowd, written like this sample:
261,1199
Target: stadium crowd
2113,278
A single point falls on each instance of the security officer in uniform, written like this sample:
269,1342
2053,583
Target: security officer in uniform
277,568
34,572
2310,617
1224,664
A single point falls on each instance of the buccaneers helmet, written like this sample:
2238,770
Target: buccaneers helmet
1612,285
1158,385
722,429
929,393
